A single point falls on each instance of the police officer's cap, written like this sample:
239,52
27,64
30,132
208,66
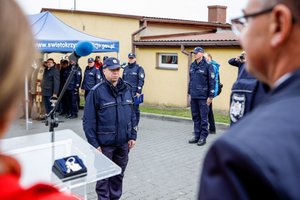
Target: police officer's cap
90,60
104,58
131,55
112,63
198,49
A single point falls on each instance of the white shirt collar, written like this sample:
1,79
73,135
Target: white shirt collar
282,79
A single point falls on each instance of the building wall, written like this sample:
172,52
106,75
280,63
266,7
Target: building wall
169,87
161,29
163,87
108,27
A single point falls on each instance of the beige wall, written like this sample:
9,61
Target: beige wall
163,87
169,87
161,29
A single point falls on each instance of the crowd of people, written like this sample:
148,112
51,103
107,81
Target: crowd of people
48,78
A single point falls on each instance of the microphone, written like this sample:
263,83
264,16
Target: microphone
82,48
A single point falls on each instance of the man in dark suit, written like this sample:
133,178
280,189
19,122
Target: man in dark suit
258,158
50,84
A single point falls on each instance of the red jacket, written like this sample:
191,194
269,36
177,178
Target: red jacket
98,65
10,188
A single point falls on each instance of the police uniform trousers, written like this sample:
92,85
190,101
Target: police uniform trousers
137,113
211,119
111,188
200,110
71,102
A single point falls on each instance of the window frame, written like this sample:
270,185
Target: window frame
161,65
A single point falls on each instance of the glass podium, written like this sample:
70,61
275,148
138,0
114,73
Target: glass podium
36,154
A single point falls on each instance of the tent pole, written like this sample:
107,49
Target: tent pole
27,103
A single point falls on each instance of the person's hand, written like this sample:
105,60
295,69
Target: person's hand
209,101
54,95
131,144
82,90
99,149
137,94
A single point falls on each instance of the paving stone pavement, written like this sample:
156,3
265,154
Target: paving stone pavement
161,166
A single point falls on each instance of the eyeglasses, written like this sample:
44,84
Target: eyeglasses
238,24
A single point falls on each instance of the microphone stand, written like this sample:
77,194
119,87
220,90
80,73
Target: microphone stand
52,120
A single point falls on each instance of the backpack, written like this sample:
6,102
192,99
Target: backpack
218,85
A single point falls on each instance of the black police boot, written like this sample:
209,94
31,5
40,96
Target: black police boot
193,140
212,131
73,116
201,142
62,113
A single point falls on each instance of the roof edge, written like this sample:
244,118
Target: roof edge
92,12
143,18
187,44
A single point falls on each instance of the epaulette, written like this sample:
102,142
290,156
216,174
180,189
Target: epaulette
97,85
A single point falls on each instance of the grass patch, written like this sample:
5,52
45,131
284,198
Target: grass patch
182,112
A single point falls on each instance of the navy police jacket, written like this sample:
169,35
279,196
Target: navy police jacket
258,158
135,75
91,78
246,93
75,81
51,81
109,119
202,80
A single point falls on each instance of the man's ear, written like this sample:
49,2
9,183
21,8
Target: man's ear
104,70
281,24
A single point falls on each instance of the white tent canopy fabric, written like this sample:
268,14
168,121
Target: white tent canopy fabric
53,35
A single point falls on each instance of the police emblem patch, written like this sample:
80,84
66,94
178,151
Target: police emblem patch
142,75
212,75
98,76
237,107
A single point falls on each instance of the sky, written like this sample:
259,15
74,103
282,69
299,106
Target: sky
175,9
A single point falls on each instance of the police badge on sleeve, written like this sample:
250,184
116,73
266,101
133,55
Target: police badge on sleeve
237,107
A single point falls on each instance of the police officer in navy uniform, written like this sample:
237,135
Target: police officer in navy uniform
92,77
201,92
72,89
258,157
50,84
109,124
246,93
134,74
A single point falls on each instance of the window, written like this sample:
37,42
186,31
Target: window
168,61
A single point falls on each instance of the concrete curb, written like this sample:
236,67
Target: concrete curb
176,119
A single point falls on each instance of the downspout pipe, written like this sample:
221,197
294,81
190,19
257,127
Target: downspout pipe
135,33
189,55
